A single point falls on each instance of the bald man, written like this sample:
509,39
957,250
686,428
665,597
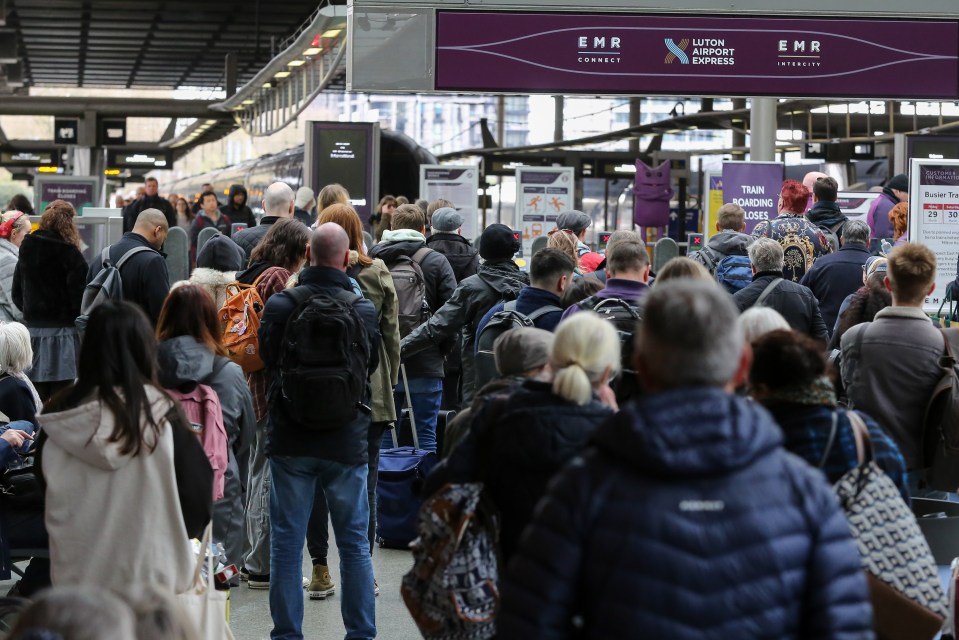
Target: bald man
146,281
809,181
307,446
277,204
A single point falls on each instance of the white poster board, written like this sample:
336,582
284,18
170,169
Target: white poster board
934,218
855,204
542,193
457,183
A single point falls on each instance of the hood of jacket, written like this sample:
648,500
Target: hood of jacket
234,190
398,243
84,431
730,243
441,237
210,277
502,275
825,213
693,431
402,235
183,362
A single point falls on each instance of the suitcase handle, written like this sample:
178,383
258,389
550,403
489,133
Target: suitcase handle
409,408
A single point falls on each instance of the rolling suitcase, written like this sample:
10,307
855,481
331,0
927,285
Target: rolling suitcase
443,418
401,472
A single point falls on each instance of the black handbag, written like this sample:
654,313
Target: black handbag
19,485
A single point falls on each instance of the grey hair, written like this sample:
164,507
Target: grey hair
620,236
856,231
755,322
689,336
277,199
766,255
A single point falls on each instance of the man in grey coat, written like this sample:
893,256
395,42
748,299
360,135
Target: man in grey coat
278,204
891,365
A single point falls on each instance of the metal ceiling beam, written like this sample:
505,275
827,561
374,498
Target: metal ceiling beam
130,107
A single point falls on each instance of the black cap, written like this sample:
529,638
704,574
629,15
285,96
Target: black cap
498,243
899,182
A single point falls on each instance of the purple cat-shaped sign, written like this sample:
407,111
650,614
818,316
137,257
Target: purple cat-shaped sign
652,191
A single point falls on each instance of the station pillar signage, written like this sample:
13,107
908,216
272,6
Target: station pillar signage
576,53
113,131
934,218
459,185
542,193
80,191
755,187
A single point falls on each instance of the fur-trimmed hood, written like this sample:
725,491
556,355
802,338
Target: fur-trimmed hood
215,283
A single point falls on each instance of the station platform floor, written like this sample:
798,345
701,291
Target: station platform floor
250,609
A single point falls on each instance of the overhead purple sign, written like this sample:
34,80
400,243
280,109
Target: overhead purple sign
680,55
754,186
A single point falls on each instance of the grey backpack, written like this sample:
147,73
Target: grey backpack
107,285
410,285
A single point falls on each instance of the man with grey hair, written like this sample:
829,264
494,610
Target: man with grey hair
303,206
794,302
729,239
700,476
278,203
835,276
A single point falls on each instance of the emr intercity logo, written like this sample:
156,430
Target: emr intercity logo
677,52
708,51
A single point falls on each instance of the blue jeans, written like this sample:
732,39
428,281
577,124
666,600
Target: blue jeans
291,500
427,395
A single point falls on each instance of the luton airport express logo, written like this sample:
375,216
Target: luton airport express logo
700,51
677,51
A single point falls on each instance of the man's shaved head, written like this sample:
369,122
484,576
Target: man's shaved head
149,219
330,247
278,200
809,180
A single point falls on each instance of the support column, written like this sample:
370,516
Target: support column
634,114
762,130
501,120
558,118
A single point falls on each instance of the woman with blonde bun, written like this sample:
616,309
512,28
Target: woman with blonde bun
520,438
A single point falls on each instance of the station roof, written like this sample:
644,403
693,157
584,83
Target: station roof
149,43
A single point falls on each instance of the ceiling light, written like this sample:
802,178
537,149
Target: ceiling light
331,33
312,51
267,85
248,101
295,63
281,74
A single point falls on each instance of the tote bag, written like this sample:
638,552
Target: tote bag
203,604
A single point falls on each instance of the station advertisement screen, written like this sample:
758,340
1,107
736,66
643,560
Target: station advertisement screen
608,53
344,153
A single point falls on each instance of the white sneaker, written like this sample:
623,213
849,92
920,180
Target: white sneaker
306,582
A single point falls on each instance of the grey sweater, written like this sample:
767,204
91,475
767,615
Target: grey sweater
9,255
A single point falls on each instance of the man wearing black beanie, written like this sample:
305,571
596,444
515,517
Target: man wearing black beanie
895,191
498,279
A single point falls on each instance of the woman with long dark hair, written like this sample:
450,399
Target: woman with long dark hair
280,254
189,354
127,482
48,284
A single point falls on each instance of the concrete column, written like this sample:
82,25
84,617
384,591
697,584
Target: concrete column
762,130
501,120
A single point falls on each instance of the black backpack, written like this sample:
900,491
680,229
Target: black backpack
500,323
323,361
106,285
625,317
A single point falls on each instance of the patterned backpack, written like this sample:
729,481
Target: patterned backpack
452,591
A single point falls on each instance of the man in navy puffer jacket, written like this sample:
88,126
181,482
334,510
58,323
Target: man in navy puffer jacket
686,518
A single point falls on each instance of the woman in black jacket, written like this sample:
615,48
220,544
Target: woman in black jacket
520,439
48,286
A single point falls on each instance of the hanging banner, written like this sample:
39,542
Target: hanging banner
934,218
459,185
80,191
542,193
595,53
754,186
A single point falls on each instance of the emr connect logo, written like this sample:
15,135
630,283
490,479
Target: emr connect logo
677,52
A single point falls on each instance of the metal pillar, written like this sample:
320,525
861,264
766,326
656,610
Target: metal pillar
634,114
762,130
501,120
558,119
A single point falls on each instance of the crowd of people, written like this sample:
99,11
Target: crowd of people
657,449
